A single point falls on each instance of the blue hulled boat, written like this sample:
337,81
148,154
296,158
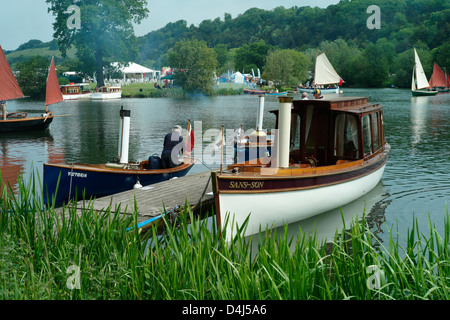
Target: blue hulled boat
98,180
66,181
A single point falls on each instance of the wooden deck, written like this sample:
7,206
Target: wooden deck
151,200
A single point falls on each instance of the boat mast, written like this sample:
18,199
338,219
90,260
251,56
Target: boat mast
446,78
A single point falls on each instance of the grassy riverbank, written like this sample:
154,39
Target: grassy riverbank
96,256
147,90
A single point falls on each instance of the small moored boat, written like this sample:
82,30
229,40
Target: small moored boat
10,89
65,181
75,91
107,92
327,153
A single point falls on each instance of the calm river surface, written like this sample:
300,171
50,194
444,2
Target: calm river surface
416,182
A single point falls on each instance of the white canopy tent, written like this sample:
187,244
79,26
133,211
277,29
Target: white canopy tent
135,71
237,77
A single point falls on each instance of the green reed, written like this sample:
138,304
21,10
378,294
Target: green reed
40,247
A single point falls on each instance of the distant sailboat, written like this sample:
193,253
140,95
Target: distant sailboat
324,75
419,79
439,80
10,90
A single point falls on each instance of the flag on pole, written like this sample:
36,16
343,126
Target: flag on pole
217,144
190,141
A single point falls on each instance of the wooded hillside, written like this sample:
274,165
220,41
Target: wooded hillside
362,56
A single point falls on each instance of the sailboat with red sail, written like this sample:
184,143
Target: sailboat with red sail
439,80
10,90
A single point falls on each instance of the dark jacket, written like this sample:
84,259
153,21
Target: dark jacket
173,146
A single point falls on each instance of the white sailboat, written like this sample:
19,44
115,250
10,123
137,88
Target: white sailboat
419,79
324,75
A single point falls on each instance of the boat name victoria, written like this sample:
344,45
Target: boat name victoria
246,185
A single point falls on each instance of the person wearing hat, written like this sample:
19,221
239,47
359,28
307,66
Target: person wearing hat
317,94
173,146
304,96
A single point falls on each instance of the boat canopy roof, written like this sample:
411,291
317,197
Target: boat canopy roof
345,104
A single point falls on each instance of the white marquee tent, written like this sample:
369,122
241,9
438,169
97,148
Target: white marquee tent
136,71
237,77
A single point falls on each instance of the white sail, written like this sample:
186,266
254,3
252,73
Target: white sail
421,78
324,72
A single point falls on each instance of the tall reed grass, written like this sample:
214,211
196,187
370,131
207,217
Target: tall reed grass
40,247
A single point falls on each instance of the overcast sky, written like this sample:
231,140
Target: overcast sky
23,20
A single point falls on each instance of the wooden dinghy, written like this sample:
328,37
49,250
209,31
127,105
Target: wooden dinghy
10,90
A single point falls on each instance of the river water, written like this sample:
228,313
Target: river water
416,182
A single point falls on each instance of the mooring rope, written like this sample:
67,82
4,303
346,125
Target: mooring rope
70,184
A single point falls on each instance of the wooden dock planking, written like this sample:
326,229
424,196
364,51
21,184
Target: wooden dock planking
152,199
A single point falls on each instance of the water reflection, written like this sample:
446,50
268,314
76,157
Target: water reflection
418,120
23,152
415,181
326,225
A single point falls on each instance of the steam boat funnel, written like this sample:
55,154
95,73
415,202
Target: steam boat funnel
124,135
285,106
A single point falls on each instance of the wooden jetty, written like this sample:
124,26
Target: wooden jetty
150,201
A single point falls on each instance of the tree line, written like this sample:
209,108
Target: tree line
288,39
282,42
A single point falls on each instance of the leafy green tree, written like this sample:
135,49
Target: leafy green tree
287,66
251,56
32,77
106,32
441,55
223,57
373,68
194,65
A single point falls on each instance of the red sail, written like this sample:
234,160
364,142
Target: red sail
438,77
9,88
53,92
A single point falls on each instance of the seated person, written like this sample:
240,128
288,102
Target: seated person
173,146
317,94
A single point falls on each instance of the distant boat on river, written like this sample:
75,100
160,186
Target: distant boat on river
326,79
270,93
107,92
419,80
439,80
74,91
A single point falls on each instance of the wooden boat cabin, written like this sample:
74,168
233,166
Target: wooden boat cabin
329,152
108,89
334,131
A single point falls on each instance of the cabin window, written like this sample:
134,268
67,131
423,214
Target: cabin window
375,131
295,132
367,135
346,137
310,130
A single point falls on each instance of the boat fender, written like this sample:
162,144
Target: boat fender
116,165
137,185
